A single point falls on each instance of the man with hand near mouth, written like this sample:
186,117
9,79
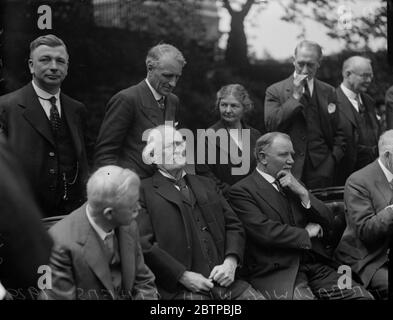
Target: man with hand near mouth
45,129
285,257
305,108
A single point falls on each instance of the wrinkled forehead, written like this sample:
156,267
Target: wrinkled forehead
167,136
307,54
44,50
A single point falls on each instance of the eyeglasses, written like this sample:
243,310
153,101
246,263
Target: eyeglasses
364,75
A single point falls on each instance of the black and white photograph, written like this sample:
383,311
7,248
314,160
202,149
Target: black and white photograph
190,152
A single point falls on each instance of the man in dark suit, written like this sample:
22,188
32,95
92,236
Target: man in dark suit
305,108
24,243
367,238
285,257
191,238
44,127
132,111
358,115
97,254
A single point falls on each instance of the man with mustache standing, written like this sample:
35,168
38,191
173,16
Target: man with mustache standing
138,108
285,224
305,108
45,129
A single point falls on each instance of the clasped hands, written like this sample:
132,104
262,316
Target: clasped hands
223,274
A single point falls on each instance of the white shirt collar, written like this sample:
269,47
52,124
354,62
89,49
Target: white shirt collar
101,233
349,93
267,176
44,94
156,95
388,174
169,176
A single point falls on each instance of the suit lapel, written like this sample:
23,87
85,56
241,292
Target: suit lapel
127,248
382,183
35,114
93,252
167,190
149,105
271,196
68,112
346,106
371,114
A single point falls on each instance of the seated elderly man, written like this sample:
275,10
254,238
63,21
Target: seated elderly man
97,254
285,258
366,241
191,238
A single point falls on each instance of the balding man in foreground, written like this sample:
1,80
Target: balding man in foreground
97,254
191,238
143,106
358,116
367,238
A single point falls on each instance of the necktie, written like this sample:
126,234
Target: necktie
279,188
307,92
111,246
181,183
361,107
54,115
161,103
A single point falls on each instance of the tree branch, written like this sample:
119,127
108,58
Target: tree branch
227,6
247,6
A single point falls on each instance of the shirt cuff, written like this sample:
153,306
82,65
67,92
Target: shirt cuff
306,205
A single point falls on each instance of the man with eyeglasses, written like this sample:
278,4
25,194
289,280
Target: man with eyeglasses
305,108
97,255
358,115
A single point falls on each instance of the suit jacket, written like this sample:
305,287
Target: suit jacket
166,239
286,114
365,242
221,173
122,137
349,162
26,127
80,269
274,243
389,108
24,243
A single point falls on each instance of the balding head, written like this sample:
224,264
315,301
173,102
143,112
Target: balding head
385,149
111,193
357,73
165,148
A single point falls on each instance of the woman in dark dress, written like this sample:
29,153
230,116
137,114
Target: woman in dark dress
230,142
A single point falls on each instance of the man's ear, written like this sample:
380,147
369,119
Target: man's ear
30,63
262,157
108,213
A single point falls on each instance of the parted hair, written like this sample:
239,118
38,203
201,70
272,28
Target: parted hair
265,141
239,92
49,40
158,51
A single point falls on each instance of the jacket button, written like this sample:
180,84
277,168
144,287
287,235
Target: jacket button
52,171
303,138
51,154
